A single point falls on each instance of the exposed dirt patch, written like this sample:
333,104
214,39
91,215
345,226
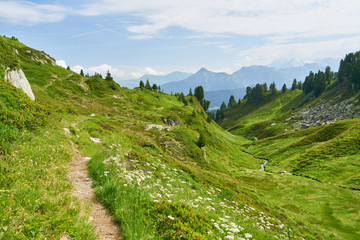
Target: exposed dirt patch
102,221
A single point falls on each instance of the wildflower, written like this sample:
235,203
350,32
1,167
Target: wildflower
248,235
171,218
230,237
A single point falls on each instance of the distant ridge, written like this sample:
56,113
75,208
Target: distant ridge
157,79
246,76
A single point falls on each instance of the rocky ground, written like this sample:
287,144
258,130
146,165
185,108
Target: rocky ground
326,113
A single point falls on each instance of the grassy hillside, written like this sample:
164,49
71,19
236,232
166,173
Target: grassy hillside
254,120
156,184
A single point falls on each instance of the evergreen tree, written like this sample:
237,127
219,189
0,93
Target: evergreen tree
328,75
273,88
284,88
201,141
232,102
294,85
239,102
108,76
205,104
141,84
82,72
199,93
248,92
209,118
147,86
68,68
300,85
223,106
190,92
308,84
154,87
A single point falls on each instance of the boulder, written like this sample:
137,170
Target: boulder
171,121
17,79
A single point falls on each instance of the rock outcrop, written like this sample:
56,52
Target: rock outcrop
17,79
159,127
327,113
171,121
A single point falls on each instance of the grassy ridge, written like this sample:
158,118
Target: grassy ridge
327,153
250,120
160,184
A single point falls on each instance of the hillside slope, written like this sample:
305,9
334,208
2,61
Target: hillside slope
157,184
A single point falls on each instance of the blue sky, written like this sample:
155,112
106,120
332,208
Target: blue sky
135,37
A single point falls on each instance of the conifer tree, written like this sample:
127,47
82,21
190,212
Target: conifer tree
154,87
141,84
232,102
201,141
284,88
294,85
108,76
81,72
199,93
147,86
190,92
273,88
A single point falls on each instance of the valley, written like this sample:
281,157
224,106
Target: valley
256,174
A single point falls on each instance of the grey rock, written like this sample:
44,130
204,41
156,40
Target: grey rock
171,121
17,79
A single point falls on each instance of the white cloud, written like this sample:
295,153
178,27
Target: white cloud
103,68
310,51
61,63
277,18
136,74
29,13
77,68
149,70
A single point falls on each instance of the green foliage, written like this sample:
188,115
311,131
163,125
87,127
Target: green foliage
100,86
178,221
284,88
147,86
202,140
349,71
141,85
199,93
17,113
8,58
294,85
232,102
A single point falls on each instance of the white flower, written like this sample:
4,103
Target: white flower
170,217
230,237
248,235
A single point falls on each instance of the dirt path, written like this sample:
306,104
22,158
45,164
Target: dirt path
102,221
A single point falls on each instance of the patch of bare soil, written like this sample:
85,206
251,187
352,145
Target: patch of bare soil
102,221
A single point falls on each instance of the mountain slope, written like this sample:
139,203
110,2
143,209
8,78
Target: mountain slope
246,76
157,184
157,79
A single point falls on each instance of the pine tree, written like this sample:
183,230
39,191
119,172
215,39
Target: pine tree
232,102
108,76
190,92
154,87
284,88
201,141
81,72
141,84
223,106
273,88
294,85
147,86
199,93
